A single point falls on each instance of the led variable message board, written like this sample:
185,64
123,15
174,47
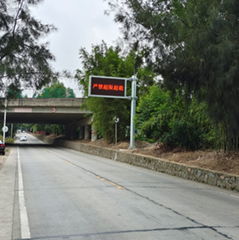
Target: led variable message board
101,86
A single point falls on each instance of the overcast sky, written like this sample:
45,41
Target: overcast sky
79,23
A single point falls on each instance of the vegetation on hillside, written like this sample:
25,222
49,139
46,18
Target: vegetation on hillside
169,119
193,45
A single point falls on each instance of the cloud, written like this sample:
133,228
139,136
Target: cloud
80,24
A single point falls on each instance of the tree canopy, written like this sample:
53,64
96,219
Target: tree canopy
23,60
13,91
56,90
194,45
109,61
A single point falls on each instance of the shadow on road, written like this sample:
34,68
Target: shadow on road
25,144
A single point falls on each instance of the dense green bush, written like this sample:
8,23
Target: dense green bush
174,121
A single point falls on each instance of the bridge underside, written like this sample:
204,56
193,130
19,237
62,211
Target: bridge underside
67,111
48,118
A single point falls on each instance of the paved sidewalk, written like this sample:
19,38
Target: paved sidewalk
7,184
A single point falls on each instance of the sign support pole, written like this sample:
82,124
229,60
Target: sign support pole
115,133
4,120
115,87
133,111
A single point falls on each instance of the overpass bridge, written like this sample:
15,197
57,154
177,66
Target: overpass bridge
67,111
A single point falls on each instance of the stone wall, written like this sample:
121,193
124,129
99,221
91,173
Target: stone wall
219,179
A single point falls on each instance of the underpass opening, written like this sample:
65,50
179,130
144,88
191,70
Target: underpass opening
46,117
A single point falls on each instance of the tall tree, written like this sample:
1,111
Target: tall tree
109,61
23,60
13,91
195,46
56,90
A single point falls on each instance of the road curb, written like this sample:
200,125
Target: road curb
214,178
7,191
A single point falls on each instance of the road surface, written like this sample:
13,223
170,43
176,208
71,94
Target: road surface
70,195
30,139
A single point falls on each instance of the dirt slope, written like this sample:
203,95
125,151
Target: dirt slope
213,160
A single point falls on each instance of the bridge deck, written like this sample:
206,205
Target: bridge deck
47,110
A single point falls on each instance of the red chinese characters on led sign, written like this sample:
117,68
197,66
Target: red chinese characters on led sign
105,86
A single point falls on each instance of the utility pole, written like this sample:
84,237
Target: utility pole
12,130
4,120
133,111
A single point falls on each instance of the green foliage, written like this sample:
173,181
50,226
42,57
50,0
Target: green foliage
106,62
56,129
109,61
194,45
13,91
170,120
7,139
105,110
150,123
22,58
56,90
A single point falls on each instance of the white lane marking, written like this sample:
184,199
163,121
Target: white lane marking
24,223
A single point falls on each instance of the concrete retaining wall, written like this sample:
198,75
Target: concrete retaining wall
219,179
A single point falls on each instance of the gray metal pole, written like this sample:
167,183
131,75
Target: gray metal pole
115,132
133,111
12,130
4,121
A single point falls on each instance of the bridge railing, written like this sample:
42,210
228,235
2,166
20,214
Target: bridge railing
43,102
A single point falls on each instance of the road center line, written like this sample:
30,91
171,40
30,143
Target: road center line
24,223
91,172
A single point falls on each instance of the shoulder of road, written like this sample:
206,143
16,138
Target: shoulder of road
7,188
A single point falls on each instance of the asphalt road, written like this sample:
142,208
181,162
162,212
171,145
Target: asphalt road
71,195
30,139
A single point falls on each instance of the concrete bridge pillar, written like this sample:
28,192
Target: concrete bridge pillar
86,132
77,131
71,131
80,132
93,134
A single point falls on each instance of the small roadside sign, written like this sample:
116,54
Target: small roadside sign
5,129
